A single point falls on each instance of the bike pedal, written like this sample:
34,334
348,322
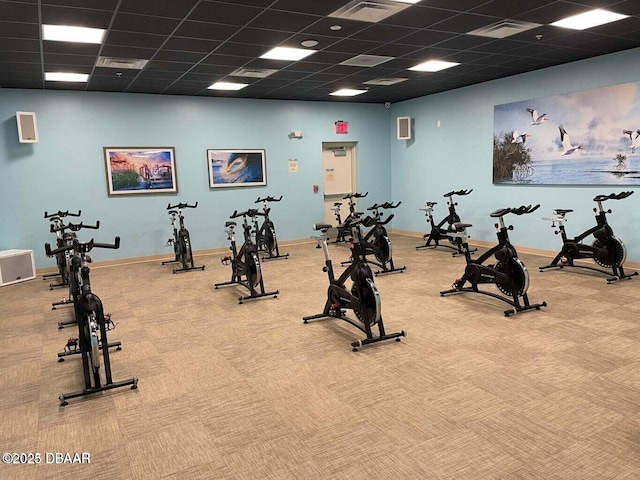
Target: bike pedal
225,260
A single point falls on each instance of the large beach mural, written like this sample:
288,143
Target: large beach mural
583,138
140,170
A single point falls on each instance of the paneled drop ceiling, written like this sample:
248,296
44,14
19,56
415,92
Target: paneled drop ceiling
190,44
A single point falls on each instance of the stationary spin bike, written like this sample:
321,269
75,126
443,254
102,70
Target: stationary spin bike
362,298
445,230
508,274
63,238
344,232
376,241
92,328
607,250
266,233
245,263
181,240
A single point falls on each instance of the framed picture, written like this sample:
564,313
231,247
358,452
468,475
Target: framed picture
237,168
140,170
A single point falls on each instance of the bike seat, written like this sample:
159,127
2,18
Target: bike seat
460,227
430,204
230,224
321,226
337,204
562,211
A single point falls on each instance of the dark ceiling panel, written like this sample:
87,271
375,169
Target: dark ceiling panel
191,51
176,9
19,12
75,16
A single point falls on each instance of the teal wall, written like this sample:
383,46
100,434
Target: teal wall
66,171
458,155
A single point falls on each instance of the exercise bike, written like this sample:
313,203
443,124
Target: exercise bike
265,234
63,238
92,327
362,298
445,230
607,250
68,250
344,232
508,274
245,263
376,241
181,240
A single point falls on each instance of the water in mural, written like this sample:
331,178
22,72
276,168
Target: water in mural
236,167
582,138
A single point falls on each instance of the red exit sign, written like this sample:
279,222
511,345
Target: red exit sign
342,127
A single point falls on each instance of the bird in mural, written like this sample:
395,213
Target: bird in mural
634,141
535,118
520,137
567,148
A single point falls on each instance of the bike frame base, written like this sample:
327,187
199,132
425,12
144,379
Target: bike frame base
517,307
620,275
275,257
371,338
253,293
66,353
103,388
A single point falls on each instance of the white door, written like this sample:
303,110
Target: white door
338,164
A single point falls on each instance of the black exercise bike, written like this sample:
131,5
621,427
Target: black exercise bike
508,273
445,230
245,263
376,242
92,327
265,234
344,232
362,298
607,250
181,240
63,238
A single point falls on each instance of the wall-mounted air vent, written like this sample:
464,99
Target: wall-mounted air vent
385,81
124,63
366,60
503,29
369,11
253,72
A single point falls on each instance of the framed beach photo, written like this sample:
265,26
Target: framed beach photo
140,170
237,168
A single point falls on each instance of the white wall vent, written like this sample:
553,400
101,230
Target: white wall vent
369,11
385,81
404,128
366,60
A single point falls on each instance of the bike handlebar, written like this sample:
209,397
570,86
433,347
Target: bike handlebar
521,210
612,196
85,247
376,206
252,212
62,214
74,227
355,195
458,192
181,206
268,199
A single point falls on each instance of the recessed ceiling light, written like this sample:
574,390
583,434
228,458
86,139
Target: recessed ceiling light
589,19
64,33
335,28
227,86
285,53
433,66
309,43
65,77
347,92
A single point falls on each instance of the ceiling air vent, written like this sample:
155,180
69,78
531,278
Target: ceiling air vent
126,63
253,72
503,29
366,60
385,81
369,11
